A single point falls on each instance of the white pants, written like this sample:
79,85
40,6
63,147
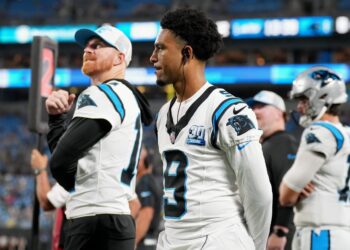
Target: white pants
234,237
328,238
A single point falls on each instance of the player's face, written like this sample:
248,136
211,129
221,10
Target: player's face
98,57
167,58
303,105
266,115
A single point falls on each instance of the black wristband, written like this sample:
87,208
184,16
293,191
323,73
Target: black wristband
280,233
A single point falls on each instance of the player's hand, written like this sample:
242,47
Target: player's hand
59,102
308,189
37,160
276,243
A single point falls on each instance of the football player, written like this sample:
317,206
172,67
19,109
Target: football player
217,193
317,184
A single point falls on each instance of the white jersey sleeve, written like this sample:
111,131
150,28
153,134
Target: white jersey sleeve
317,145
319,139
323,158
239,138
57,196
237,126
100,102
302,172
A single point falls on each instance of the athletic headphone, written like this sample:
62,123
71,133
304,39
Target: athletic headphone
185,54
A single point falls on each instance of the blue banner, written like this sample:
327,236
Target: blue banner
147,31
274,74
282,27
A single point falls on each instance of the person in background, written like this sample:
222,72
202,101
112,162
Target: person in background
95,154
317,184
55,197
279,148
50,197
149,193
217,193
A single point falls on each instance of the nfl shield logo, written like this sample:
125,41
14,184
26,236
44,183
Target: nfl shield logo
172,137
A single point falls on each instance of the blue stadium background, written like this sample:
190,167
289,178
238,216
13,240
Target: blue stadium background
267,42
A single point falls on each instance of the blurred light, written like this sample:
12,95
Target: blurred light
342,25
224,28
281,27
25,33
274,74
247,28
144,31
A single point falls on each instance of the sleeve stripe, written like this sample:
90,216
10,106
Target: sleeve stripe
218,114
114,98
336,133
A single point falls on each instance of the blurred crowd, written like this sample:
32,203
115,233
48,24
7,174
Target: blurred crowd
66,11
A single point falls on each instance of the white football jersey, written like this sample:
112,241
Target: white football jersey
105,175
200,189
329,204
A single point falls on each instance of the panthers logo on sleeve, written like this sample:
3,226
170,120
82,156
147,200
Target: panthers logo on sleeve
240,123
85,100
311,138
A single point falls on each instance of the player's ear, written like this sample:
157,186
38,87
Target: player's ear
118,59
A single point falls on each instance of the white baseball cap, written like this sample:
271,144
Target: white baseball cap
269,98
109,34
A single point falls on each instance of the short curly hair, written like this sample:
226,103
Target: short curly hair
195,29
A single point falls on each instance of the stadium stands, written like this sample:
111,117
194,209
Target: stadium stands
16,188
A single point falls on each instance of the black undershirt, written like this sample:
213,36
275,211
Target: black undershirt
69,141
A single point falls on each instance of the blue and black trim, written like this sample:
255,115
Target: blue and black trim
220,110
175,129
335,132
114,98
129,172
321,240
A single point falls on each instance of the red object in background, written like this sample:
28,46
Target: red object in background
48,72
56,232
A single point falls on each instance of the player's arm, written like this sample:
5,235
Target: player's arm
134,205
57,126
239,138
81,134
145,216
57,105
254,189
39,164
296,183
143,222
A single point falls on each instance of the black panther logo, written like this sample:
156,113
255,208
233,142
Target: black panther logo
311,138
325,76
85,100
241,123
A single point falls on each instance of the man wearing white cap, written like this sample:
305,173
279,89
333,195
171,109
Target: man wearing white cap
94,155
279,150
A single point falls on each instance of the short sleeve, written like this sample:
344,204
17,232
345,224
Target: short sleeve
318,138
145,194
57,196
101,102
